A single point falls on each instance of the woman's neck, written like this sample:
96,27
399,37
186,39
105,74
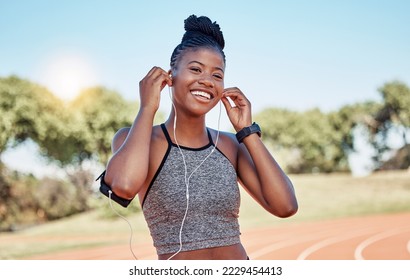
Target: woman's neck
189,131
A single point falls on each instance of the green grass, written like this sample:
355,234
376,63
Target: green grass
323,197
320,197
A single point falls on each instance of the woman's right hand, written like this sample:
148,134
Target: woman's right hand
151,86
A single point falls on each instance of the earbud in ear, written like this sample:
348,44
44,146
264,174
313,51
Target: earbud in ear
170,76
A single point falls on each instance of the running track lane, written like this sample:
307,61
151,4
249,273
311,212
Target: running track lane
381,237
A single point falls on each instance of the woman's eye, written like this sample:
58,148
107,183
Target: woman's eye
196,70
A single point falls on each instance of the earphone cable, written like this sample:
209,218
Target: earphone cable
186,168
125,219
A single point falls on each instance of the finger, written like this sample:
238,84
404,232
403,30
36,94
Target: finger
232,89
233,92
165,79
152,71
239,100
226,104
156,72
159,76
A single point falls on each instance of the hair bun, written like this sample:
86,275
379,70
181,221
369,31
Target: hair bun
203,26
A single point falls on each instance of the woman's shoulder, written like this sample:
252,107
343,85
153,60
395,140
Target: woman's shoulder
227,144
122,133
157,134
228,138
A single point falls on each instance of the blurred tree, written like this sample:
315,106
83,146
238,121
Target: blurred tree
313,141
99,113
28,111
18,204
58,199
5,194
392,118
347,118
66,134
309,139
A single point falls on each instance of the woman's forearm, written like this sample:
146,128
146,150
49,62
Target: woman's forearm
276,188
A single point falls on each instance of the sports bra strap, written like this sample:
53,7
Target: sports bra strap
164,129
210,137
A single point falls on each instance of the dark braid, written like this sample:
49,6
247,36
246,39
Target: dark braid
200,32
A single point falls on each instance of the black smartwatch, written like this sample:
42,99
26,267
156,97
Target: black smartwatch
246,131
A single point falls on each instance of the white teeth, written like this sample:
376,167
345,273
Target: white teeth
201,93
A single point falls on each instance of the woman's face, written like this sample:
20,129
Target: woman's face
198,80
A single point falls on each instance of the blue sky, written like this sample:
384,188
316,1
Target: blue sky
290,54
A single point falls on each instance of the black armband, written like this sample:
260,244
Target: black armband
106,190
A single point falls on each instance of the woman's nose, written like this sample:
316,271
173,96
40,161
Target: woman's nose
206,80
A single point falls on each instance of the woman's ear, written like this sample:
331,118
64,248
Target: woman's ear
170,75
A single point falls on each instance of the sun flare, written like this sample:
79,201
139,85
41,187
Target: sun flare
66,74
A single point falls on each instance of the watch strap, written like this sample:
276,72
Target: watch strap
246,131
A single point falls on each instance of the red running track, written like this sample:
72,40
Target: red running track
382,237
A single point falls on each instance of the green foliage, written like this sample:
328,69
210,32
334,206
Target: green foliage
313,141
393,116
349,116
56,198
65,134
81,180
100,113
309,135
26,200
396,107
69,133
18,204
28,111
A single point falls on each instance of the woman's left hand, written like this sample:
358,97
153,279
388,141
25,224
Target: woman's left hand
240,113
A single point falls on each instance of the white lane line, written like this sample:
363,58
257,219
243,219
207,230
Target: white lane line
294,241
278,245
358,254
290,241
330,241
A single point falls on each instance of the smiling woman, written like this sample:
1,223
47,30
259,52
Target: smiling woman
67,73
186,174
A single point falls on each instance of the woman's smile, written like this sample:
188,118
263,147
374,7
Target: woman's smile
202,94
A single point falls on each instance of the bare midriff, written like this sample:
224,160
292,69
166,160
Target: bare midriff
233,252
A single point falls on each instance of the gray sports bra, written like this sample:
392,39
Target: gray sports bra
214,200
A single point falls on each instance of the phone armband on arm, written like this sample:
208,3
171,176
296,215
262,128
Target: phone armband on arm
106,190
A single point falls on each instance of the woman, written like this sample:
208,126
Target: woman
186,174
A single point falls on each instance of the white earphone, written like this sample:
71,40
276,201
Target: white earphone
187,178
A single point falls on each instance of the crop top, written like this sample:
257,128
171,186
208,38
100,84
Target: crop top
214,200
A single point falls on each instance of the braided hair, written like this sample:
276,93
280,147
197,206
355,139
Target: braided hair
200,32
